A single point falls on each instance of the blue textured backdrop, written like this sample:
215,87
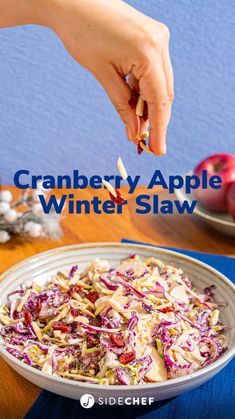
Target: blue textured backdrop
54,116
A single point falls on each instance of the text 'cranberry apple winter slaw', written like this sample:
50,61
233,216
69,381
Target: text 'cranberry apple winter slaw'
138,322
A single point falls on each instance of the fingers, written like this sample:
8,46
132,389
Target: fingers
120,93
144,126
133,82
153,86
156,83
168,74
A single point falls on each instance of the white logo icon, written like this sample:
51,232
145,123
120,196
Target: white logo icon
87,401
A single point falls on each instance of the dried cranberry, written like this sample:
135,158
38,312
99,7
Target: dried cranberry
139,148
134,98
120,274
75,312
117,340
92,341
28,318
74,288
95,321
92,296
73,327
132,256
145,116
127,357
117,199
38,307
61,327
166,309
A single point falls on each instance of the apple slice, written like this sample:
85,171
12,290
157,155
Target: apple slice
157,371
179,294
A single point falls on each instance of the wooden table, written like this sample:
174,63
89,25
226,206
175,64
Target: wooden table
17,394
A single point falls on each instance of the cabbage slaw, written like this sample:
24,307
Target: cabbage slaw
138,322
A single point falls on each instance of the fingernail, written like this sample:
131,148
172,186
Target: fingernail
163,148
158,149
132,128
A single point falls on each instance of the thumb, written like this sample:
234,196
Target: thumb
119,92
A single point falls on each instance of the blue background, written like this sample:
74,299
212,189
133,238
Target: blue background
55,117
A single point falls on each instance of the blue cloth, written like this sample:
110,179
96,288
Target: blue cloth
213,400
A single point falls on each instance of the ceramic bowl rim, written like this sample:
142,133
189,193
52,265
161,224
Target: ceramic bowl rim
89,386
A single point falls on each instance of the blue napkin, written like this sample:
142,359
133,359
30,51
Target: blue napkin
213,400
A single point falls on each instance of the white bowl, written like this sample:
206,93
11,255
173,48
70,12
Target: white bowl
44,264
220,222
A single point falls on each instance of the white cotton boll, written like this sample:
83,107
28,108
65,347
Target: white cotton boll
4,236
36,194
28,226
40,186
37,209
4,207
52,226
34,229
11,216
6,196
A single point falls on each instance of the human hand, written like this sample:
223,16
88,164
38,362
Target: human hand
119,45
113,41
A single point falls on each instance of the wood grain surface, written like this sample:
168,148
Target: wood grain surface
16,393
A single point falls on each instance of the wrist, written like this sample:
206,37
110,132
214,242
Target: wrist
21,12
41,11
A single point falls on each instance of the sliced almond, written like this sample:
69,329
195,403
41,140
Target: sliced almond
140,106
47,366
82,319
94,349
62,285
145,148
84,310
6,320
78,377
117,292
84,348
144,135
63,306
118,303
60,316
121,169
83,284
23,301
214,317
37,330
89,303
77,297
158,371
109,187
100,308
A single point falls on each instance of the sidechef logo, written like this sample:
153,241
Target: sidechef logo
87,401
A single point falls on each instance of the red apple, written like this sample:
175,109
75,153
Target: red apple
224,166
231,200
